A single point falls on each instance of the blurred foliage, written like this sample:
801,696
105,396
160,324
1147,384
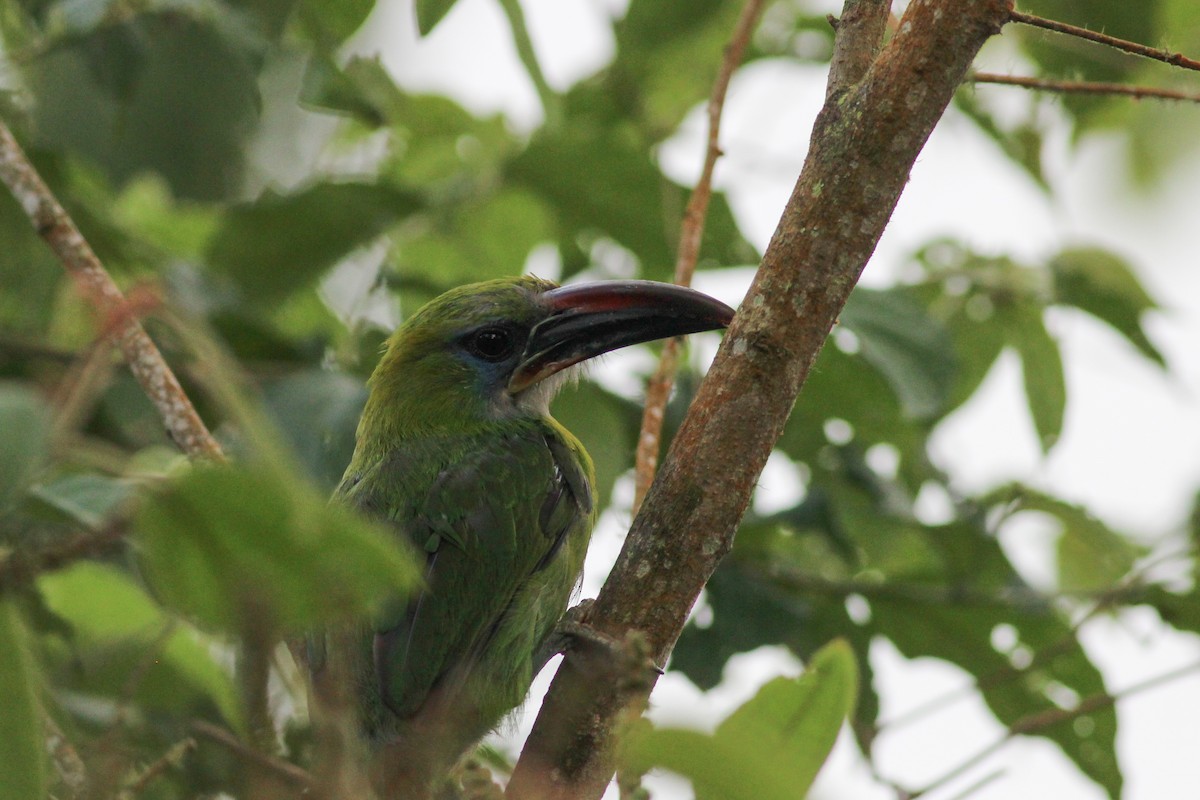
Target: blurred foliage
1154,135
150,120
21,754
769,748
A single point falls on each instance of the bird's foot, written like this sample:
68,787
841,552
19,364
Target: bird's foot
575,631
477,782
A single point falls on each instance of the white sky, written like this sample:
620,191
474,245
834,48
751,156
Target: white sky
1131,444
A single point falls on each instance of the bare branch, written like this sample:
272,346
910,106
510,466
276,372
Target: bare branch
863,146
117,318
859,37
690,235
1032,723
287,771
172,758
980,784
1133,48
19,567
1084,87
72,773
80,388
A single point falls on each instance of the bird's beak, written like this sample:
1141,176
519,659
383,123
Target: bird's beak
588,319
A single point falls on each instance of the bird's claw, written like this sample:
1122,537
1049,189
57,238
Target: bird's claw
575,630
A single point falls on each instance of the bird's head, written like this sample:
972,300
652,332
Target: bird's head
502,348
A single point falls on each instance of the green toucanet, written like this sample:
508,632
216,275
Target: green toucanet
457,451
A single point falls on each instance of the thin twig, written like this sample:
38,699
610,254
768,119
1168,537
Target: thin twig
963,767
982,683
974,787
72,772
1085,87
172,758
148,660
20,567
286,770
551,102
80,388
117,318
690,235
1020,598
1158,54
1032,723
16,348
254,674
109,757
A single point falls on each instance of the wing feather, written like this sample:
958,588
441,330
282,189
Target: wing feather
488,518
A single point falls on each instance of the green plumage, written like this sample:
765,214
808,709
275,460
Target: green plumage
457,451
502,515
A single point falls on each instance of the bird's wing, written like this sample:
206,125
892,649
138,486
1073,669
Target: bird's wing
486,521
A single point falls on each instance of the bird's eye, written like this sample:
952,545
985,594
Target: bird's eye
492,344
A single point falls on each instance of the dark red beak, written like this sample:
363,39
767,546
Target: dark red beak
588,319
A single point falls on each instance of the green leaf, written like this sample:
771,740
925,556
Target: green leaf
769,749
163,91
430,13
330,24
883,541
1105,286
226,545
978,342
747,613
29,273
317,411
24,427
22,742
1020,682
1091,555
146,209
281,243
907,345
1058,56
973,296
847,387
113,623
750,610
488,238
628,206
1022,143
801,717
87,499
361,88
671,51
1180,611
1041,368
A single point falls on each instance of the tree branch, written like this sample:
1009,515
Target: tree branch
1084,87
19,567
1032,723
117,319
71,771
863,146
1133,48
173,758
285,770
859,38
691,233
